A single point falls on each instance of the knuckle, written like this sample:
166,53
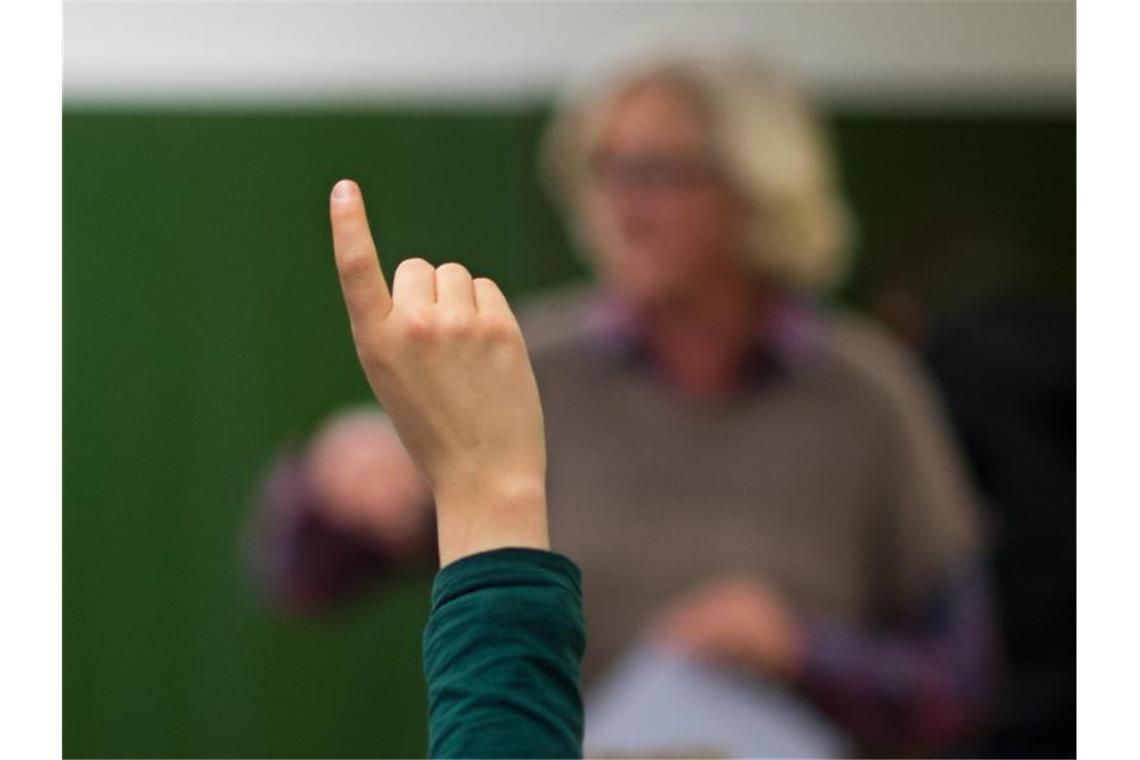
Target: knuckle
354,264
500,329
419,324
486,286
457,326
453,268
413,265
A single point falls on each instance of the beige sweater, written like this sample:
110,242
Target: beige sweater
835,481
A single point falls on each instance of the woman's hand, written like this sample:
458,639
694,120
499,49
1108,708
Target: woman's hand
446,359
736,622
367,484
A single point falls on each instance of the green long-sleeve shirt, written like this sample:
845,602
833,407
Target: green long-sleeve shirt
502,650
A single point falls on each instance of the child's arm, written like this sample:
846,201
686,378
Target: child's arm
446,359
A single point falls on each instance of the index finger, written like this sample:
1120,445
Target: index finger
358,265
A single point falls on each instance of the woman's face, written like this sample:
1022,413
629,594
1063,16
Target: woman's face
657,212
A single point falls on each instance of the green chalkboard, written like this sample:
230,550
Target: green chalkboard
203,328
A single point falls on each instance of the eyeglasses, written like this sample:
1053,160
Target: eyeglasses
652,172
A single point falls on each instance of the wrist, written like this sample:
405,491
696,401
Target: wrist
474,517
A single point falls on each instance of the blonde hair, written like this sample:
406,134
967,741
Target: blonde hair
769,144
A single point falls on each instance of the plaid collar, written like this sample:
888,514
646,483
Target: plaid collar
789,336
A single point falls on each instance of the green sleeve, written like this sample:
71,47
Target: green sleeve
502,650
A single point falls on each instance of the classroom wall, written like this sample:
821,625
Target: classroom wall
203,330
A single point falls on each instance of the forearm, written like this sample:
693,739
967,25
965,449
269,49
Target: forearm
924,685
501,656
483,514
446,359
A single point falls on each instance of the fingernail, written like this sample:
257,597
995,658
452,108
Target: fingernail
344,190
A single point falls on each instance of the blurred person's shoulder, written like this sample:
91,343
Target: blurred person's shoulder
890,381
862,348
907,400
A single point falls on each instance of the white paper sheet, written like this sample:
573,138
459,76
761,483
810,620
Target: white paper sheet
655,703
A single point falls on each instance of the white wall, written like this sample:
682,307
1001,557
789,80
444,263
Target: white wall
991,54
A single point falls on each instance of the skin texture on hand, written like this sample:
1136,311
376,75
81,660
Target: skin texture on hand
446,359
737,622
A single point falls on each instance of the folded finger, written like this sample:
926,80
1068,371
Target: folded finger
454,290
414,283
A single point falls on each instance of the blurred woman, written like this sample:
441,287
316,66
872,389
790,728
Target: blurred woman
741,475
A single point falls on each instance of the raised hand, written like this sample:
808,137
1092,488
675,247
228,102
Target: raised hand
737,621
445,357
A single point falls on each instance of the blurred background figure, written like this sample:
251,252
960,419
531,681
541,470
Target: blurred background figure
1004,360
734,309
742,476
